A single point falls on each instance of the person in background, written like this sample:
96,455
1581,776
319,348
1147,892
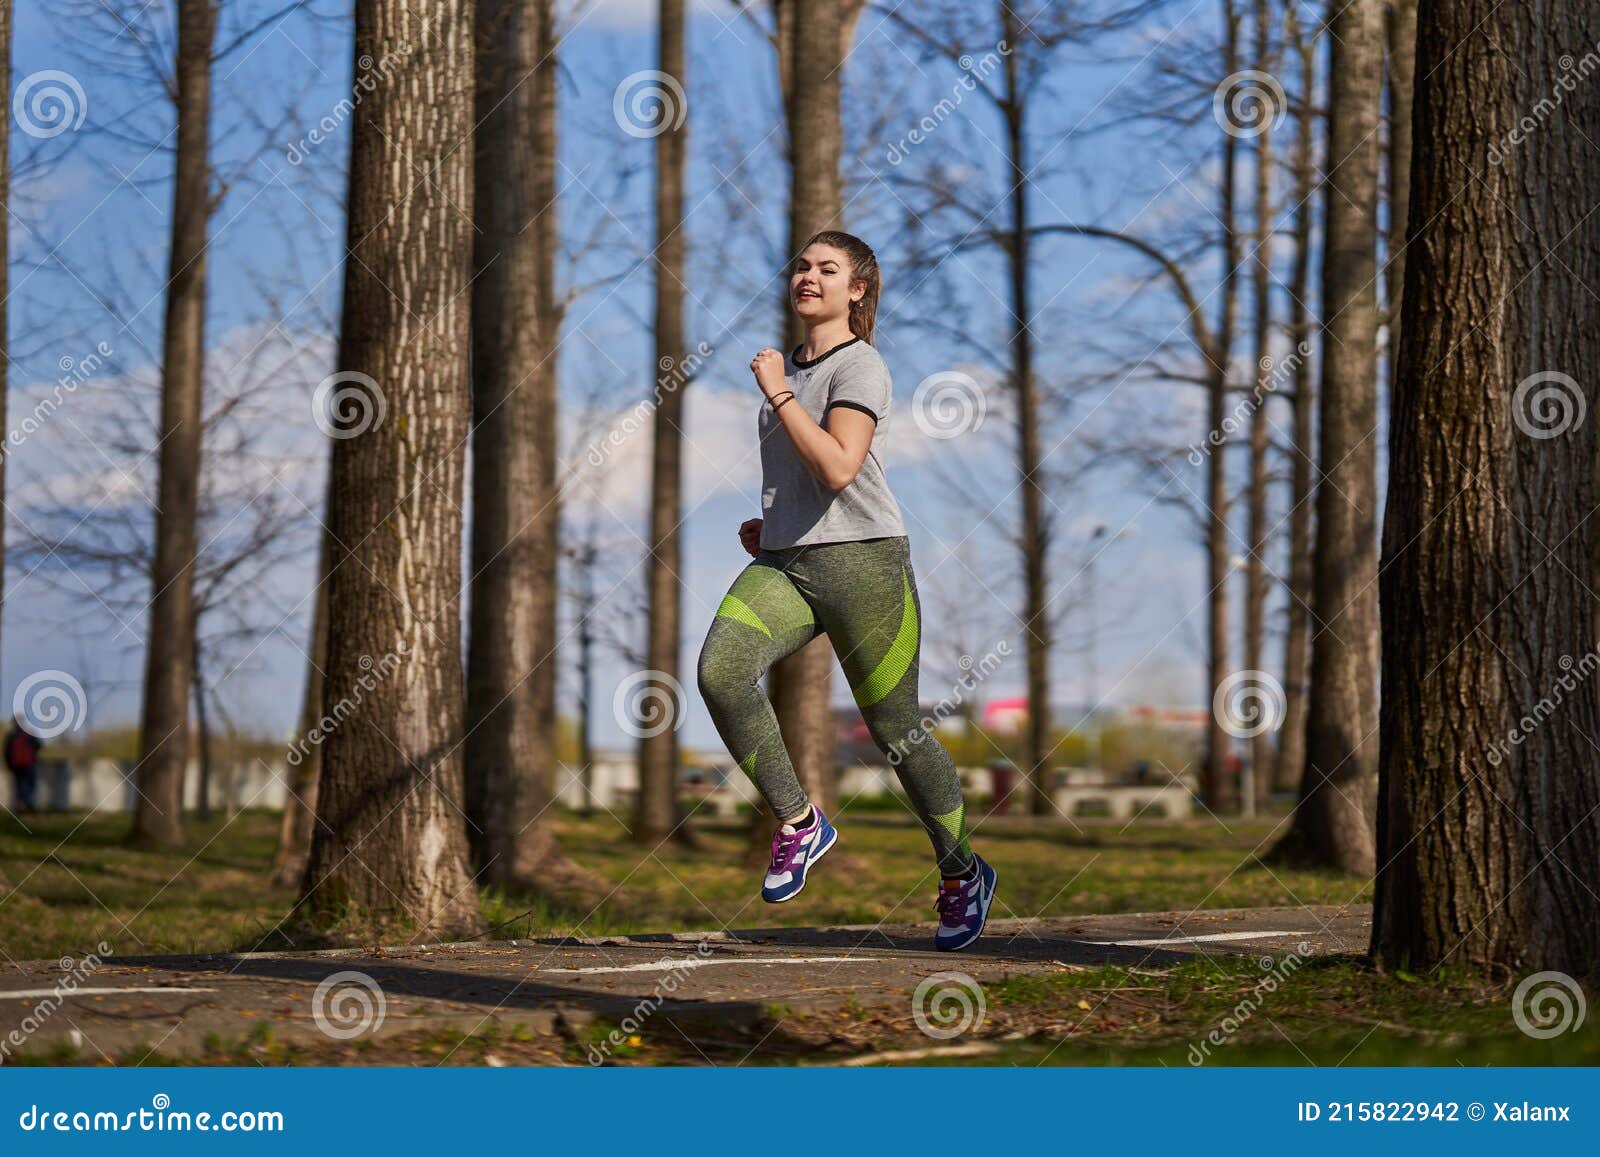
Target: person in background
22,758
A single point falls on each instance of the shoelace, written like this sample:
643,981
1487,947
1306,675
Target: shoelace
952,907
783,849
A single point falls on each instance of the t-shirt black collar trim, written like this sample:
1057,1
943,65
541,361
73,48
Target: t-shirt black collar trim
806,365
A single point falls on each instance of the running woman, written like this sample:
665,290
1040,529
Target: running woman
831,555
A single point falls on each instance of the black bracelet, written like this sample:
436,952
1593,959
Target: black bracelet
787,395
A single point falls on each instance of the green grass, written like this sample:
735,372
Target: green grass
75,885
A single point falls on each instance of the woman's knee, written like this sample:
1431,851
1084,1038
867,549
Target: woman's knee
724,671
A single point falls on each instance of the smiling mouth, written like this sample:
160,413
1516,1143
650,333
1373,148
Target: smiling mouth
805,293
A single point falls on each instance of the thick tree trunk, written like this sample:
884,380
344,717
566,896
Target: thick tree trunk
304,758
1296,654
510,747
657,815
170,632
1266,377
1219,788
812,39
1490,826
389,855
1334,818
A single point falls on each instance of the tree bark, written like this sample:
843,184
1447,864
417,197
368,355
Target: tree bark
657,815
1334,817
170,632
1292,744
389,854
1490,777
511,666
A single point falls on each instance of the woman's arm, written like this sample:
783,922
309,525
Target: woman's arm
832,454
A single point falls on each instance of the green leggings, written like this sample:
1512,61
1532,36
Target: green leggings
863,595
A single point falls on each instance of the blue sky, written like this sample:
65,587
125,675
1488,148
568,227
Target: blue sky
88,251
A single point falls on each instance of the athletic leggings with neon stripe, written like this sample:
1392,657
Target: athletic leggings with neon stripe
864,596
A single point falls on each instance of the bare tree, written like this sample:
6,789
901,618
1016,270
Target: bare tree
389,854
169,669
1333,820
1303,184
1490,777
1259,785
511,664
656,815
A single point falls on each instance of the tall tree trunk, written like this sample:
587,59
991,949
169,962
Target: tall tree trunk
1266,377
1296,653
304,758
510,747
812,40
584,564
1036,530
389,854
1490,822
170,632
1334,818
1219,788
1401,36
657,816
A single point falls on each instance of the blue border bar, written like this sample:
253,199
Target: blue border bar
707,1111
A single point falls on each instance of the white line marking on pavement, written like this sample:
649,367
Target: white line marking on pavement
39,993
1209,938
701,962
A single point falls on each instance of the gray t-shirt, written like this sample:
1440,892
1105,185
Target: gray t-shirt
795,507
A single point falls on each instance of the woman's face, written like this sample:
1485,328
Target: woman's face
820,284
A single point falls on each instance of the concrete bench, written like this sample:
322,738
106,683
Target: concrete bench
1126,801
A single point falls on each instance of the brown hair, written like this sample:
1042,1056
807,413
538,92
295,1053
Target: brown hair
863,267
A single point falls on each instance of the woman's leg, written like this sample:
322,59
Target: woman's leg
762,619
866,597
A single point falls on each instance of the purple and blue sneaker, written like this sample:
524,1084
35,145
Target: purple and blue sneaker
963,908
794,852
